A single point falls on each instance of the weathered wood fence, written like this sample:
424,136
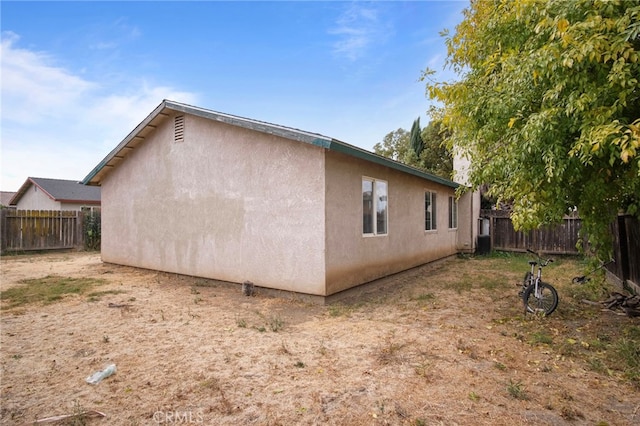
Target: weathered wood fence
559,239
562,239
23,230
626,251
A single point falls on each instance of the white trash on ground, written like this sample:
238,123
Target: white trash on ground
97,377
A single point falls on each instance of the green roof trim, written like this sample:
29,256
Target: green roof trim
247,123
362,154
263,127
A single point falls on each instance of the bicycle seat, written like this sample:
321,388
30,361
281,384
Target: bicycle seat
533,263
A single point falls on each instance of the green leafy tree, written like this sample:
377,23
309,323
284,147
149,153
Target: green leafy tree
396,145
547,107
417,144
434,157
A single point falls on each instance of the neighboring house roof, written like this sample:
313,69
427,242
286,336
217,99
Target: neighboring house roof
5,197
64,191
152,121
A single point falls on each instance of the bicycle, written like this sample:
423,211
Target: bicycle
538,297
585,278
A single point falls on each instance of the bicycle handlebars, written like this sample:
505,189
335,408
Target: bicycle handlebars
544,262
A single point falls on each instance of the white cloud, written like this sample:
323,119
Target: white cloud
436,62
32,87
357,28
112,35
57,124
125,111
103,45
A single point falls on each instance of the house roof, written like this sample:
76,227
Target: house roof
5,197
65,191
161,112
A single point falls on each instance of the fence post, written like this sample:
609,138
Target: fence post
624,247
81,217
632,231
492,231
3,230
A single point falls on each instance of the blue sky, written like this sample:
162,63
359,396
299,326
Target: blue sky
77,77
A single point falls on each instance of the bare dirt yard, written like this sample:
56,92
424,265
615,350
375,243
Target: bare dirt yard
446,343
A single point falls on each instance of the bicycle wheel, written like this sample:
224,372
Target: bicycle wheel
545,302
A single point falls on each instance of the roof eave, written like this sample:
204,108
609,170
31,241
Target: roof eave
23,189
247,123
94,177
93,202
90,178
354,151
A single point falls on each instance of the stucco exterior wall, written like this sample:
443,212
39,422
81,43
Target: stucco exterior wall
468,221
351,257
35,199
226,203
469,205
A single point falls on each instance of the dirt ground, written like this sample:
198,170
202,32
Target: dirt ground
435,345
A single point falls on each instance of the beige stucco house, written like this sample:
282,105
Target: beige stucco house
202,193
55,194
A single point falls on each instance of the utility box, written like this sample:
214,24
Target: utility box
484,244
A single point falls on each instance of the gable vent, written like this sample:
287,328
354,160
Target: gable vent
178,129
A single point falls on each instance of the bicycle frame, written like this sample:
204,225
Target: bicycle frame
538,276
537,295
533,277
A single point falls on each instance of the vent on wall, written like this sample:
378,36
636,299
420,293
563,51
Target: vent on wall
178,129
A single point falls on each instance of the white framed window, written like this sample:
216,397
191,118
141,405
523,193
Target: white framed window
430,211
453,213
374,206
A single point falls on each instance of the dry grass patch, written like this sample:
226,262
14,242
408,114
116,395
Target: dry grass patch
48,289
441,344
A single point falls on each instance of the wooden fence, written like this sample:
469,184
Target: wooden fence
559,239
626,251
23,230
562,239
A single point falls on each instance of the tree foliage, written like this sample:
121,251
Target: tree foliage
434,157
417,144
396,145
547,107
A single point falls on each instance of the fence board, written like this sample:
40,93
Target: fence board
618,266
40,229
562,239
559,239
626,251
632,225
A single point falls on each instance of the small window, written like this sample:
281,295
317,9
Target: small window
453,213
374,206
429,211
